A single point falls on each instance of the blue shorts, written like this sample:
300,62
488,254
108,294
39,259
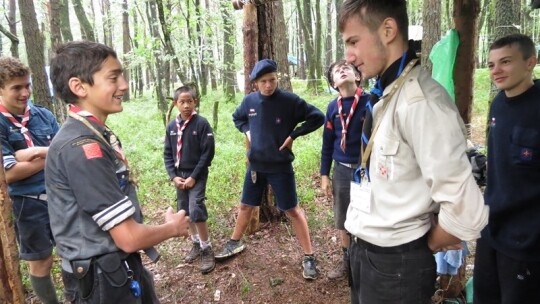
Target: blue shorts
283,186
33,228
192,200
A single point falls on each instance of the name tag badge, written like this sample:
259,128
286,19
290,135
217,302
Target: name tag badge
361,195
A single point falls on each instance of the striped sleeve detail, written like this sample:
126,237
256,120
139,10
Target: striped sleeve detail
9,161
115,214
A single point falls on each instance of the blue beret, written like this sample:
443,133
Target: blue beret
262,67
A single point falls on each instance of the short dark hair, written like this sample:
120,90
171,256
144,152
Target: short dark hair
185,89
523,42
81,59
11,68
337,64
371,13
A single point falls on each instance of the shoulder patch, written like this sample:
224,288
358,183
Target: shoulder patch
92,150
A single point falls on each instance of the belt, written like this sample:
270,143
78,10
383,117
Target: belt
416,244
40,197
352,166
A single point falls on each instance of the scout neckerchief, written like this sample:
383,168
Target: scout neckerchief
179,136
345,123
367,151
113,142
22,125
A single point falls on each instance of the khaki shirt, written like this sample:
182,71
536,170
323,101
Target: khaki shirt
418,167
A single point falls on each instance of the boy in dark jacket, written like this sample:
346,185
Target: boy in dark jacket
269,118
189,150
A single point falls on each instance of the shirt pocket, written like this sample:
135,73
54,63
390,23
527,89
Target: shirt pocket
525,147
42,136
387,151
17,141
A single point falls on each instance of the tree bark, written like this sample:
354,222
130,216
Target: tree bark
54,23
65,25
229,74
154,31
13,28
251,41
465,18
304,16
87,31
107,25
34,43
504,19
340,53
11,289
329,54
431,23
126,46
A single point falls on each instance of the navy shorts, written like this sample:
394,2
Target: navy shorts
33,228
283,186
341,191
192,200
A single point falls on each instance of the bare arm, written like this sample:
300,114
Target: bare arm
440,240
25,169
31,153
131,236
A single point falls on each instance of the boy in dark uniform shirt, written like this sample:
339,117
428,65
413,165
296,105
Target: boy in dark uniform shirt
93,206
269,118
188,152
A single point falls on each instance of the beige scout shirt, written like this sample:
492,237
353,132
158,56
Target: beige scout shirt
418,166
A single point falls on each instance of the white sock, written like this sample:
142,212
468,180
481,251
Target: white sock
205,244
195,238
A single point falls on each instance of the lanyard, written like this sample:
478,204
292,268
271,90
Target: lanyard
345,123
387,98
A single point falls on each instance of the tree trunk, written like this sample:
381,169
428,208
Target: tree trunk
304,15
126,45
465,18
251,41
317,40
154,31
431,22
87,31
329,54
301,51
54,21
12,20
340,53
11,289
34,49
229,74
504,19
65,25
107,25
14,41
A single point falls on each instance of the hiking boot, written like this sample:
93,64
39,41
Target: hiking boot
231,248
310,269
194,253
339,272
208,263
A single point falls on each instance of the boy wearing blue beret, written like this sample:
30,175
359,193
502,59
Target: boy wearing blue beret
269,118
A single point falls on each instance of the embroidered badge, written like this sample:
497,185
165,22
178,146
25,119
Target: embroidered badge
492,122
92,150
329,125
383,171
278,120
252,113
194,133
526,154
172,132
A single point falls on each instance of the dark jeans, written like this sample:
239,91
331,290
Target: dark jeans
501,279
402,274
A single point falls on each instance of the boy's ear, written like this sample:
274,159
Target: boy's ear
77,87
531,62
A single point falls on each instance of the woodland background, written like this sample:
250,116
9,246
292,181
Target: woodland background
209,44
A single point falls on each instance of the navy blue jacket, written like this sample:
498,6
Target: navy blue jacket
513,175
270,120
332,133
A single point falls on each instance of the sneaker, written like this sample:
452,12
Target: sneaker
339,272
208,263
232,247
310,268
194,253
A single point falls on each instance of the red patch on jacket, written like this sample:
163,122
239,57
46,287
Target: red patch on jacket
92,150
329,125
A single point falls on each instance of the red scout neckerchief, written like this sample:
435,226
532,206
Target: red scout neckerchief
22,125
179,136
113,140
345,124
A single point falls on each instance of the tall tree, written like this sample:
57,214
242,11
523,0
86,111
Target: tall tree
504,19
229,75
465,18
65,25
126,45
34,43
54,23
305,20
340,53
87,31
167,42
14,41
107,24
431,23
329,55
152,7
12,20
